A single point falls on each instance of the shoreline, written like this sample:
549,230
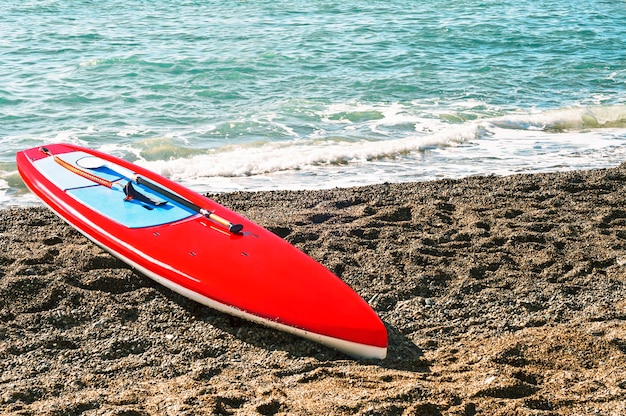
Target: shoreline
501,295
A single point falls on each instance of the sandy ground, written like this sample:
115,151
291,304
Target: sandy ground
502,296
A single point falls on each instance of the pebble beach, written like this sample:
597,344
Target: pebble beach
501,296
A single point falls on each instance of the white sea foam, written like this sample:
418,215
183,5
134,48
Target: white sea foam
574,118
360,144
299,155
522,142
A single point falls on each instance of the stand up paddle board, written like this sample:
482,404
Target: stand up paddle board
199,248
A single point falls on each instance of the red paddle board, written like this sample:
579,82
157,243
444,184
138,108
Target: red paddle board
199,248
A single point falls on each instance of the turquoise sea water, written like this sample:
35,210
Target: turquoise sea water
255,95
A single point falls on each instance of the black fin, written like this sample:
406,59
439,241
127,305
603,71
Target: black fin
132,193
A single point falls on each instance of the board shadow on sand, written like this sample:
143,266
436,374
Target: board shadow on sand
402,353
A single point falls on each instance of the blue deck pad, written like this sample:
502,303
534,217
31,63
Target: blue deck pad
133,214
111,202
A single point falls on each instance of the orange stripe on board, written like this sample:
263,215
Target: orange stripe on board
82,173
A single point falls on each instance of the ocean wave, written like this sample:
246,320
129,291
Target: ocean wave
357,133
566,119
267,157
346,144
